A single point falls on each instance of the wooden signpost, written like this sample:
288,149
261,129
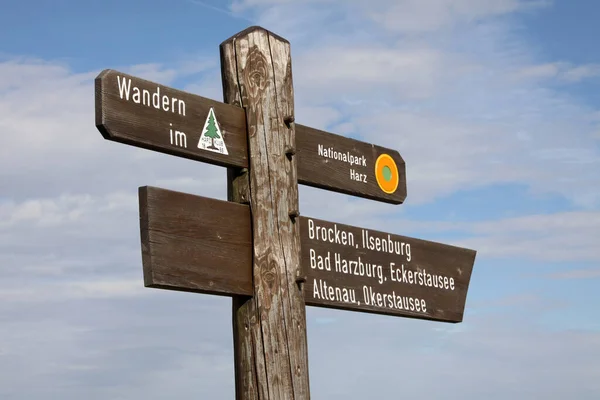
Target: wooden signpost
256,247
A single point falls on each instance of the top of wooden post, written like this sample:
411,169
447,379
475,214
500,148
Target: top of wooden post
251,29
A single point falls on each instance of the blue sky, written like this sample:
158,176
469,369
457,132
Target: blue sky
494,104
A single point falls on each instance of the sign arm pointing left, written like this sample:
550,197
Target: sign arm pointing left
144,114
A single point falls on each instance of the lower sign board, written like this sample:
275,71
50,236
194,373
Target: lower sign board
361,269
197,244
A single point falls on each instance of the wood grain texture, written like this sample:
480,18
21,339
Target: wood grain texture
193,243
270,328
149,127
148,123
246,330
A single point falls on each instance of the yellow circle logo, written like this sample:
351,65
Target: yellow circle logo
386,173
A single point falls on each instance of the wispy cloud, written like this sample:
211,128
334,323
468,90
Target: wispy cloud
414,16
562,71
230,11
576,274
93,289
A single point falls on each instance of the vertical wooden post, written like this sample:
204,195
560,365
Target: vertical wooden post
270,347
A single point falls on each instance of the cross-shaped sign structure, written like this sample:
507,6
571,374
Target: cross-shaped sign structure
256,247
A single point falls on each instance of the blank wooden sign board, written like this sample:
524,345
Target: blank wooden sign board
256,247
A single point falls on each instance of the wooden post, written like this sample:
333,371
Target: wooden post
270,346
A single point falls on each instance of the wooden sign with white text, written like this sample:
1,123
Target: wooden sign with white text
361,269
345,267
349,166
145,114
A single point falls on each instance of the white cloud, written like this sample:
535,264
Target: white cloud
420,16
577,274
317,117
581,72
63,210
153,72
549,70
563,71
331,71
110,289
417,17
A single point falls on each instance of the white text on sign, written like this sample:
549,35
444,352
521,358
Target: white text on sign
154,99
346,157
377,269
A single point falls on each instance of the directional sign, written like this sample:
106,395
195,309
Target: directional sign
145,114
345,165
192,243
361,269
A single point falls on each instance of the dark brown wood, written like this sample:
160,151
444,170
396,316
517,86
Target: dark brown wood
165,119
320,154
360,269
270,328
188,255
193,243
345,165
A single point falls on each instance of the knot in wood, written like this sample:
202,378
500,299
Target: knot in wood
268,273
255,74
294,214
269,278
289,120
290,151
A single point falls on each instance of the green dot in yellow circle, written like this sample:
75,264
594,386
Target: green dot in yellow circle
387,173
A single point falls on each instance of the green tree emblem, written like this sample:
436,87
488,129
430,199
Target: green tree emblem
211,131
